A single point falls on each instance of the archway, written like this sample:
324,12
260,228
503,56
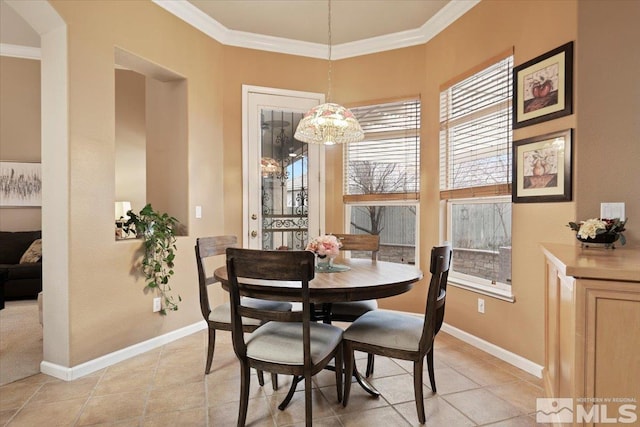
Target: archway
55,174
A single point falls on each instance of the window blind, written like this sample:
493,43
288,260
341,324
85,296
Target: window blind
386,165
475,134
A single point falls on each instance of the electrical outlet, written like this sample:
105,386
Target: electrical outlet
480,305
157,304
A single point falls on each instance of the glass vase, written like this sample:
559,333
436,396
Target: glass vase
324,263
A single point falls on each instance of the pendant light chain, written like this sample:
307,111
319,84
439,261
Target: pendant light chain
329,73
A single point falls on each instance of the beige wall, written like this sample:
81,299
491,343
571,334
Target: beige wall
20,130
167,148
485,31
107,307
608,149
420,70
131,139
151,143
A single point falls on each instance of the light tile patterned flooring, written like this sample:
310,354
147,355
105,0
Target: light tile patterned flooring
167,387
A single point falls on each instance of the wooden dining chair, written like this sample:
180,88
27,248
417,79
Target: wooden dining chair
348,311
399,335
290,343
219,318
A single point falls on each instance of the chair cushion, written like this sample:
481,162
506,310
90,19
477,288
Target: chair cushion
353,308
386,329
222,313
281,342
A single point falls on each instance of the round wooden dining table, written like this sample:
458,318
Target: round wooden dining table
363,279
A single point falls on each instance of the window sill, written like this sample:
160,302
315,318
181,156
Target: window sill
490,291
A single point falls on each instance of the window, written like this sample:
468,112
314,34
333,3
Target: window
382,179
475,177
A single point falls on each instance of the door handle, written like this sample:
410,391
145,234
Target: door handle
254,234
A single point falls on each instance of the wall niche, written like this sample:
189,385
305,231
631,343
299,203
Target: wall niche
151,164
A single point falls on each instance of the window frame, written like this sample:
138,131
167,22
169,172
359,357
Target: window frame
408,198
498,290
406,202
500,192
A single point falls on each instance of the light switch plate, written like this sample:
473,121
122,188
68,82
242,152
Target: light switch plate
198,211
157,304
612,210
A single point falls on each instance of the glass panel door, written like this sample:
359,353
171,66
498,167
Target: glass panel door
285,182
283,191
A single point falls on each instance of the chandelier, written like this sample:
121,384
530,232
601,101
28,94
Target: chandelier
329,123
269,165
277,168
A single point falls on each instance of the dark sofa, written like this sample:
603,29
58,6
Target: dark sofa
21,281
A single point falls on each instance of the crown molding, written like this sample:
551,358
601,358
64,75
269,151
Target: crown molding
17,51
377,44
203,22
446,16
278,45
196,18
212,28
441,20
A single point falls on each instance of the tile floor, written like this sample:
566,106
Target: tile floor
167,387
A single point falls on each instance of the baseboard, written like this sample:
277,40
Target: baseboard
499,352
69,374
75,372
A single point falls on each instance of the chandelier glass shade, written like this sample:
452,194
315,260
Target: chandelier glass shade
329,124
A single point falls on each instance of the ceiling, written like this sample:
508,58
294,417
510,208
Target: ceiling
15,30
298,27
308,20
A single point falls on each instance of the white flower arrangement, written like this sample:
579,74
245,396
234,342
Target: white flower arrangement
594,227
325,245
590,228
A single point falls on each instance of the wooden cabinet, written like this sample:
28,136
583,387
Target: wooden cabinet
592,329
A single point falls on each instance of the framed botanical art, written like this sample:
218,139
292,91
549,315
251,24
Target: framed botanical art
543,87
542,168
20,184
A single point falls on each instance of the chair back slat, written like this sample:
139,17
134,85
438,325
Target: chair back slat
439,268
215,245
273,265
207,247
360,242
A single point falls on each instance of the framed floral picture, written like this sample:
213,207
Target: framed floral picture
542,168
543,87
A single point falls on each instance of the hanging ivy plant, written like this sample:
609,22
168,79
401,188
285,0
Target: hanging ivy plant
159,233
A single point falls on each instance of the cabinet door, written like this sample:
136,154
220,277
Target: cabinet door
612,340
